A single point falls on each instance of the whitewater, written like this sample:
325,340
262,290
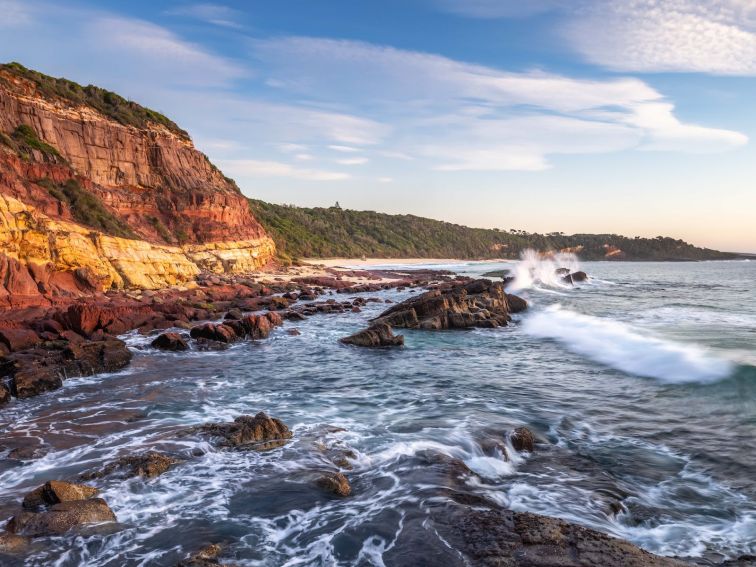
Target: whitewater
639,382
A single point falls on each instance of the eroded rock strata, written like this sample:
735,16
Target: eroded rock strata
89,203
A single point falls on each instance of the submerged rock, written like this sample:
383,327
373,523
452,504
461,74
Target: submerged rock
259,432
478,303
147,465
170,341
498,537
335,483
205,557
377,335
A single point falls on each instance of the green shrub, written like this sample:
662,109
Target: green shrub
108,103
87,209
161,229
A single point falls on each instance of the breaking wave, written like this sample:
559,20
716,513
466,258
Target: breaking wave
621,347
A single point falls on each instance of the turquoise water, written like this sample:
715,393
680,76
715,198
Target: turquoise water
641,383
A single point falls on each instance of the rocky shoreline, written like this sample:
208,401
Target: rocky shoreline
42,347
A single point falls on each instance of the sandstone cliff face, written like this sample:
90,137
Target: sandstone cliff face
186,215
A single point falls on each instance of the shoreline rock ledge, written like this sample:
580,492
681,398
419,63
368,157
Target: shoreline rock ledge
478,303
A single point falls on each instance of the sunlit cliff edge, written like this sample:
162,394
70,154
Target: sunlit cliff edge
97,192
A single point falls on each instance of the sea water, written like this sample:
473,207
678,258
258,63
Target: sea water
640,382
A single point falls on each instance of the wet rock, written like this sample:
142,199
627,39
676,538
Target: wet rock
516,304
221,333
12,543
41,369
170,341
5,394
274,318
147,465
293,332
259,432
575,277
522,439
377,335
18,339
55,492
454,305
497,537
60,518
335,483
257,326
27,453
562,271
205,557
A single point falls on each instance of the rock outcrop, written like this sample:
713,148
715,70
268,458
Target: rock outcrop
479,303
258,432
378,335
89,200
57,507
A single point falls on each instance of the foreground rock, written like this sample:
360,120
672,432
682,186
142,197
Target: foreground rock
497,537
260,432
44,368
146,465
378,335
479,303
522,439
58,507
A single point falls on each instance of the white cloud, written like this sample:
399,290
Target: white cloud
462,116
304,157
215,14
353,161
255,168
717,36
385,180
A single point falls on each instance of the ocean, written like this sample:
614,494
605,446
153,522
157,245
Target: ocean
640,383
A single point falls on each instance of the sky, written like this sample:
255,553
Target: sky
622,116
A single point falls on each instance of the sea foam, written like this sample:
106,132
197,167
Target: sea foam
620,346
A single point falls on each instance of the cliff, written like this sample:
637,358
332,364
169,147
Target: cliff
99,192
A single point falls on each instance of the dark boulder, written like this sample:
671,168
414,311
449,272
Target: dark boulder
575,277
5,394
522,439
170,341
378,335
205,557
516,303
221,333
12,543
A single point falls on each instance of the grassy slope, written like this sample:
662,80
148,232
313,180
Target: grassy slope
333,232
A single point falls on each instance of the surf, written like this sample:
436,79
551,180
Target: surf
626,349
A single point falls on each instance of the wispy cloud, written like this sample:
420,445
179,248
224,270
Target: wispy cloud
215,14
255,168
462,116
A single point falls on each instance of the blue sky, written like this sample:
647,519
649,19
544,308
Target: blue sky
627,116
